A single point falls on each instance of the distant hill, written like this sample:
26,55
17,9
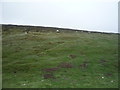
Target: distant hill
44,29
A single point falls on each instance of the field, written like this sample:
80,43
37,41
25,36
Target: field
59,60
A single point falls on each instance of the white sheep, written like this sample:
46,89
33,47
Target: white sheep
57,31
25,32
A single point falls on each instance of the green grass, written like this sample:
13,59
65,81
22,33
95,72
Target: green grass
25,56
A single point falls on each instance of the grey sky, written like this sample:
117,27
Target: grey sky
77,14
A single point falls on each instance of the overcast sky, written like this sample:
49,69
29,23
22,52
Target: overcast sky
95,15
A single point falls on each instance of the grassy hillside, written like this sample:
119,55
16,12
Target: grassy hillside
59,60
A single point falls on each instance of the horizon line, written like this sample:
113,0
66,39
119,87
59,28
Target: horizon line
85,30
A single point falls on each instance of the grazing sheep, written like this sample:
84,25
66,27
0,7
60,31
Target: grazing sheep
76,31
57,31
25,32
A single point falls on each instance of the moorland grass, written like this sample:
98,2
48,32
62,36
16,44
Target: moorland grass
59,60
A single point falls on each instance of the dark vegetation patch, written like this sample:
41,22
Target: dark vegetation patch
14,72
82,53
39,49
49,76
84,65
25,38
103,62
49,72
65,65
18,49
108,74
60,42
84,75
50,42
36,51
51,69
115,65
72,56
